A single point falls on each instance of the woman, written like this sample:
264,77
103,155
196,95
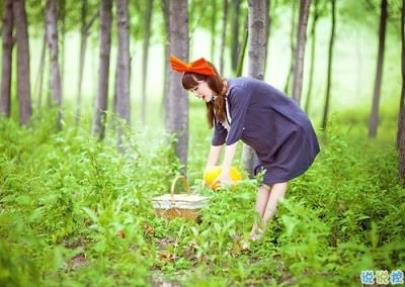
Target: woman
262,117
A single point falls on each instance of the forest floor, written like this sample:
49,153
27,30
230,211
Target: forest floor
76,212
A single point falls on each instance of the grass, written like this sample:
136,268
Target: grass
76,212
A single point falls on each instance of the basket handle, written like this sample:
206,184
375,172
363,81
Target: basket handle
185,184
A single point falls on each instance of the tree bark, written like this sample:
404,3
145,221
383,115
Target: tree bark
402,99
223,36
257,54
165,12
52,37
292,47
8,43
82,57
23,61
62,17
41,70
104,69
268,29
329,72
312,65
123,66
401,125
257,39
242,50
213,29
235,34
300,50
146,41
374,118
402,146
177,100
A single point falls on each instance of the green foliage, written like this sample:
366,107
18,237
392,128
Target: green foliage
69,201
77,212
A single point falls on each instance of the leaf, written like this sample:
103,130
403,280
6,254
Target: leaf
91,214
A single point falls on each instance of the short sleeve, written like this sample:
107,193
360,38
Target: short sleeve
220,134
239,98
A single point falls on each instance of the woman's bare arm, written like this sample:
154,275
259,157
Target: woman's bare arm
228,158
213,156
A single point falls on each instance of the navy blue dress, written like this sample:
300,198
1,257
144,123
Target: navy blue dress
272,124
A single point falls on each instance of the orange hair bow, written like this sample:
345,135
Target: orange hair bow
199,66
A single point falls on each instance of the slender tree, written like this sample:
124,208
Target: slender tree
292,46
329,72
177,100
84,35
23,61
242,50
145,48
257,38
300,50
257,53
41,71
373,121
223,36
82,57
8,44
52,39
61,8
165,12
213,27
123,108
235,34
313,46
268,29
104,69
401,125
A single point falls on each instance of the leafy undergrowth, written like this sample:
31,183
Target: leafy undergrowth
76,212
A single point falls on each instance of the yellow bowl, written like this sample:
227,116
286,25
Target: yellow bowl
211,174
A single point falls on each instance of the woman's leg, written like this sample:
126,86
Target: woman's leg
278,191
262,198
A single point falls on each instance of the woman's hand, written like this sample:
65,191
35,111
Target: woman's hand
224,178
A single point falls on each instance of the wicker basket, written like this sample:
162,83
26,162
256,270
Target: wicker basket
187,205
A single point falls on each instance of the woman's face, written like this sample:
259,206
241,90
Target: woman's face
203,91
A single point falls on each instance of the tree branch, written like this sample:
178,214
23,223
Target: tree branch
91,22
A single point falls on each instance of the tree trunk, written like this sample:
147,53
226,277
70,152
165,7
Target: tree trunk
292,47
373,122
23,61
268,29
223,37
177,100
402,146
313,46
52,36
257,54
242,51
165,12
402,100
330,56
104,69
300,50
8,43
146,40
213,26
41,71
123,65
62,17
82,57
257,40
235,34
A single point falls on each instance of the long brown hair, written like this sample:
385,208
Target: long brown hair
215,110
